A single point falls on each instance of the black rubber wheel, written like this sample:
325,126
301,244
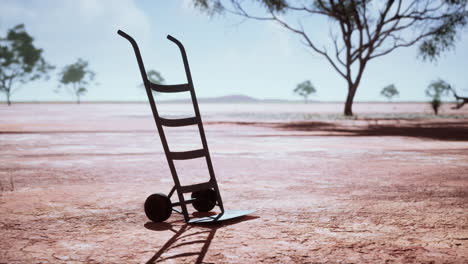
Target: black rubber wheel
158,207
205,200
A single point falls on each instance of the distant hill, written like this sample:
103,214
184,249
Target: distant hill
235,98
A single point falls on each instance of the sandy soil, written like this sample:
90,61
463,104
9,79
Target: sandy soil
73,181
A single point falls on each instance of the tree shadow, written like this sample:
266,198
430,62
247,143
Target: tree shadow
186,235
450,131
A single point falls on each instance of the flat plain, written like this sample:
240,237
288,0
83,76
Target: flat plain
388,186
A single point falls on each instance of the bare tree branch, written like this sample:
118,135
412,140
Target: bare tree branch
367,30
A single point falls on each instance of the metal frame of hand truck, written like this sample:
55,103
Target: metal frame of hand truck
170,155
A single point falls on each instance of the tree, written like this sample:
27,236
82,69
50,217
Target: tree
360,30
154,77
389,92
435,90
20,61
305,89
75,77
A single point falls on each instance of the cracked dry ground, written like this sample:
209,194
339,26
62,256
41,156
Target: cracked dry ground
320,196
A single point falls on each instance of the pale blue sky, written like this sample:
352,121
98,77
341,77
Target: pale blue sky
226,56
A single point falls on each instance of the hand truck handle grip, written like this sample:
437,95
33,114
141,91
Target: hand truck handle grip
137,54
125,35
184,57
176,41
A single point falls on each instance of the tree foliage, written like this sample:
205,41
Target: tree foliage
436,90
389,91
360,30
20,61
155,77
76,77
305,89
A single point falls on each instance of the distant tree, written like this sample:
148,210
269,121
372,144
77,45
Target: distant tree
436,90
359,30
75,77
389,92
20,61
154,77
305,89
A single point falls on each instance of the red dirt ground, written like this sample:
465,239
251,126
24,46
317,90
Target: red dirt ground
73,181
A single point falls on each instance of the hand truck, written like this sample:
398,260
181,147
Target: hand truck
204,196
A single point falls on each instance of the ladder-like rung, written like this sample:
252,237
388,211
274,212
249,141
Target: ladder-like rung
196,187
175,88
184,155
179,122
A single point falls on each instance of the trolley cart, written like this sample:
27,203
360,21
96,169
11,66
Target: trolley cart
204,196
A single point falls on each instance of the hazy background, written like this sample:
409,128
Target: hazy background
227,55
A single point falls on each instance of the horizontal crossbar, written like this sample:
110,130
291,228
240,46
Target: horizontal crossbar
175,88
196,187
179,122
184,155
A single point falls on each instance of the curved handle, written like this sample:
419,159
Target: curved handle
140,60
184,58
125,35
176,41
137,54
181,47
